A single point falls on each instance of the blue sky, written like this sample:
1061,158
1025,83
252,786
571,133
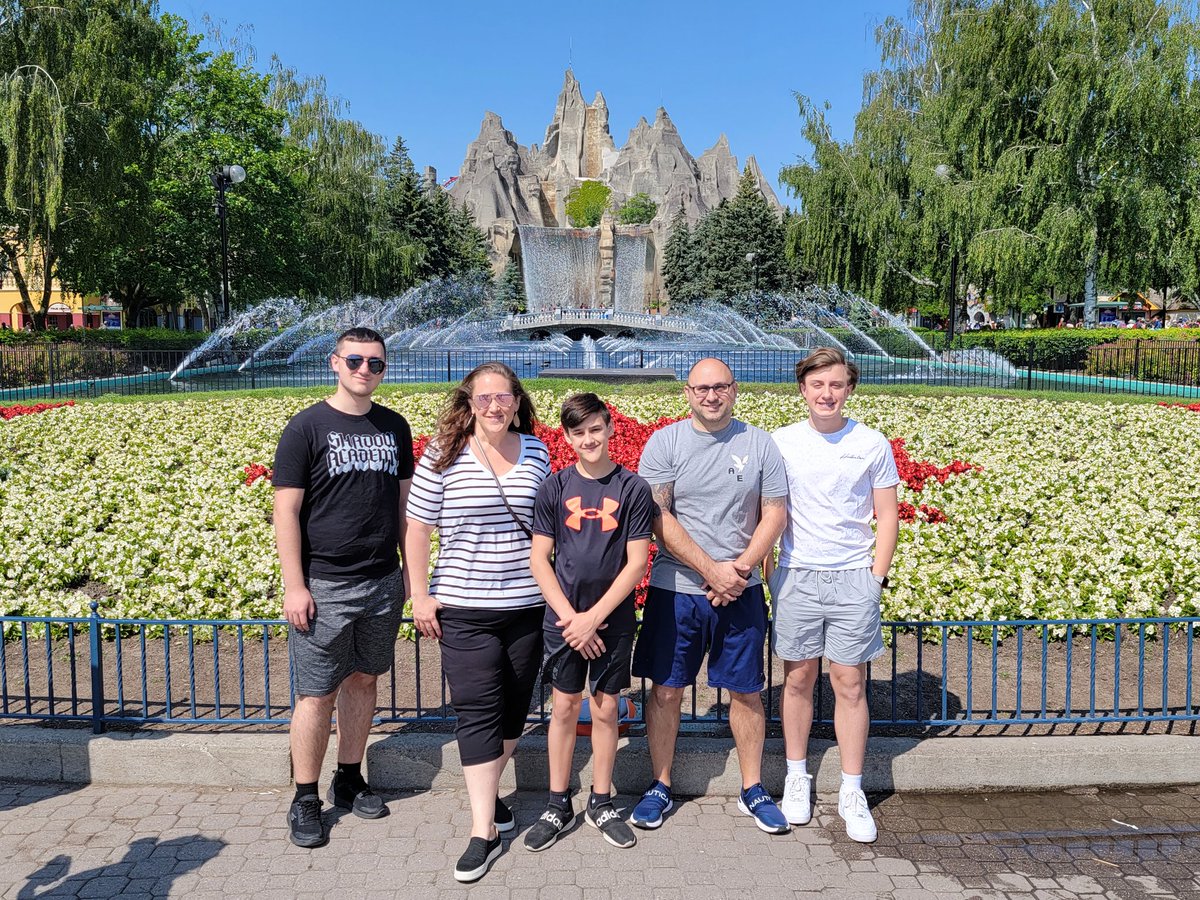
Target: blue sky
428,72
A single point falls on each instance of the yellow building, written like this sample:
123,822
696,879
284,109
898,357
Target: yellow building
66,310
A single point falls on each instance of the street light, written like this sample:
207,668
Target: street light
752,258
223,177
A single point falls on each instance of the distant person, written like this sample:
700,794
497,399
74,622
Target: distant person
828,584
476,484
721,492
342,474
592,524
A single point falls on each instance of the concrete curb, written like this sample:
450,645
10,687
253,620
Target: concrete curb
703,765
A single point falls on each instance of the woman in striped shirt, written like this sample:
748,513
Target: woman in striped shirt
476,484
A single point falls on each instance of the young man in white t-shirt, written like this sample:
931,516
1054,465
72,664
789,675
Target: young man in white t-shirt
828,584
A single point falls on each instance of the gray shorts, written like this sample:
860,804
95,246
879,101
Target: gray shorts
830,614
354,630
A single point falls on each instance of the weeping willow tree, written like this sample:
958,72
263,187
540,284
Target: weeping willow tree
1016,145
74,113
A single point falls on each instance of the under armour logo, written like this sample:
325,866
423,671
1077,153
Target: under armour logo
739,461
605,514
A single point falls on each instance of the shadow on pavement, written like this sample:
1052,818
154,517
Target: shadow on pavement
145,858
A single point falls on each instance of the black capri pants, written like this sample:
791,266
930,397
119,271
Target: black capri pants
491,659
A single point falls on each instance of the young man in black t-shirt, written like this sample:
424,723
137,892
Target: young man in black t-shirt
342,473
591,534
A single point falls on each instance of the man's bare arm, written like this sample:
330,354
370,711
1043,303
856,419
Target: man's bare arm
771,523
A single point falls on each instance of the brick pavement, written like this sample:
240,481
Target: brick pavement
98,841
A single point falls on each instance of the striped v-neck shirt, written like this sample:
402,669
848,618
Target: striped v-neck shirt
483,555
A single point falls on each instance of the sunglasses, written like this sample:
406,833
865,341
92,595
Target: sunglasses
375,365
483,401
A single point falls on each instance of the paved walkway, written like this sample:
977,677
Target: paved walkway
99,841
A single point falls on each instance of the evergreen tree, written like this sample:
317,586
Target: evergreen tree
469,243
405,220
510,289
732,232
680,264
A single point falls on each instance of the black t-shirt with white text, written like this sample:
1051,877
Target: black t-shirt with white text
591,520
350,468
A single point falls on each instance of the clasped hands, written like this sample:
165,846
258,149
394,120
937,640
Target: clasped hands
726,581
581,633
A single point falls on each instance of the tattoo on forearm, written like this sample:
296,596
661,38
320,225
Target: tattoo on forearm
774,501
664,496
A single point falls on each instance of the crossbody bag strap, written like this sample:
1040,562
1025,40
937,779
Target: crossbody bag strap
512,512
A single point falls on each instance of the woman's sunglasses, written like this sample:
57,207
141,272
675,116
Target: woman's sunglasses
375,365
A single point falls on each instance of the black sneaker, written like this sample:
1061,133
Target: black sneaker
503,818
610,824
473,864
359,799
545,831
305,827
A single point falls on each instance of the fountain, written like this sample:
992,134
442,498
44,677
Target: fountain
440,330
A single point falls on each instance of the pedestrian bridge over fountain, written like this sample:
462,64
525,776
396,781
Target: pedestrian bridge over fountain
596,323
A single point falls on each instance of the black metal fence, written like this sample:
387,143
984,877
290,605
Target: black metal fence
1168,369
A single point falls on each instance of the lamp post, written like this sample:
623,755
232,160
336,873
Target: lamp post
223,177
752,258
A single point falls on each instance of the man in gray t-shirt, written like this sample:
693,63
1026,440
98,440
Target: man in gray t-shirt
721,488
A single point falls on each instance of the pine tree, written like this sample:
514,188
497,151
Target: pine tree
510,288
468,243
730,233
680,268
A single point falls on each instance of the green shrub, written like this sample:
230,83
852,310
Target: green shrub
130,338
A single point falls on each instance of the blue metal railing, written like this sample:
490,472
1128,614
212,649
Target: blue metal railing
1168,369
933,674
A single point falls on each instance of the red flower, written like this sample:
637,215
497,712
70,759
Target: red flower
1194,407
917,474
255,471
11,412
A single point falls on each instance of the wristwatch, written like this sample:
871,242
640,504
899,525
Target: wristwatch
883,580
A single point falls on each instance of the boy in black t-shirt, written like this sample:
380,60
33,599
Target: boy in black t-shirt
592,524
342,473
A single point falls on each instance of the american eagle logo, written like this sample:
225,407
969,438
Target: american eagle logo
739,461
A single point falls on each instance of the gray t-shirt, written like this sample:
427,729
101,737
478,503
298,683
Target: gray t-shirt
719,480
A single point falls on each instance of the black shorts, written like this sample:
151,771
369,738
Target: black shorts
490,658
566,669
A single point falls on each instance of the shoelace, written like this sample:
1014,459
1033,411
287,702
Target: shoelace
310,811
856,804
796,788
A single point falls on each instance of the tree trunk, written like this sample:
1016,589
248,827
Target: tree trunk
1089,282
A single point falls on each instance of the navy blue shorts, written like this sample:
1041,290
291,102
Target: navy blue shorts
678,630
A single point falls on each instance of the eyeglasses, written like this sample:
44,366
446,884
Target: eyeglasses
375,364
483,401
703,390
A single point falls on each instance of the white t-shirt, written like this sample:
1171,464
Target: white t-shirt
483,555
831,478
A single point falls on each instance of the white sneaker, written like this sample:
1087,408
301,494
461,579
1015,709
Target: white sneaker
797,799
852,807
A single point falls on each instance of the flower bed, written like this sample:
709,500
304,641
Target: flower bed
1079,509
